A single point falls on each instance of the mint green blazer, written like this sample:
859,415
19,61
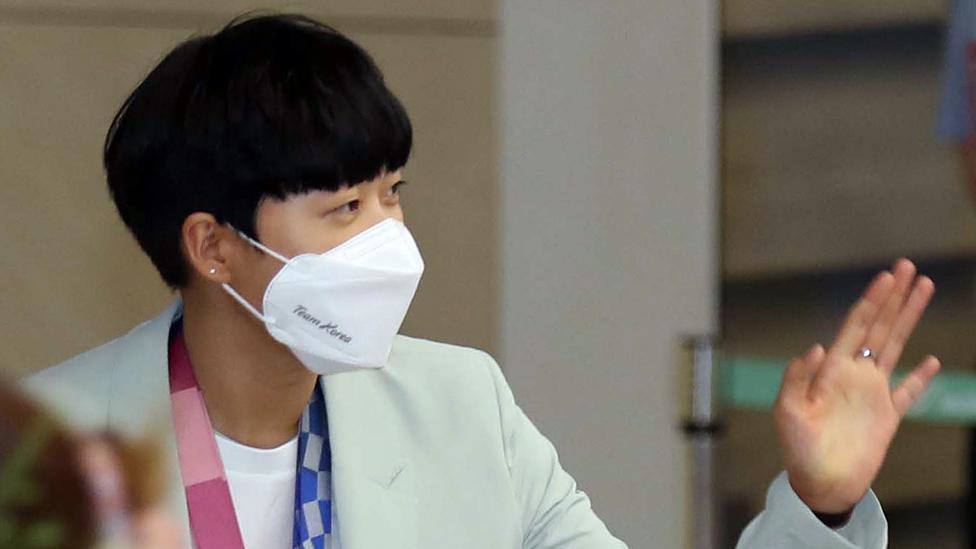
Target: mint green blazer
430,452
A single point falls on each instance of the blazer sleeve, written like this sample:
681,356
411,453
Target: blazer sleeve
555,513
788,522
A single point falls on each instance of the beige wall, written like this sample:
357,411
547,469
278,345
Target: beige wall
413,12
74,277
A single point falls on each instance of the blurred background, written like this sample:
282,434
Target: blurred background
592,183
832,166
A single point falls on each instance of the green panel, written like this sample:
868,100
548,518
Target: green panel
753,384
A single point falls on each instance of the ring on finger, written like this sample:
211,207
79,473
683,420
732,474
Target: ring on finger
866,353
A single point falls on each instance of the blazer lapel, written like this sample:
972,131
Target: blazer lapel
373,485
139,403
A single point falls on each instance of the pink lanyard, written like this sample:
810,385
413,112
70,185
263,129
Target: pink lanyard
213,522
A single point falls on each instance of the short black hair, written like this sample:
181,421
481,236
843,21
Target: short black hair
269,106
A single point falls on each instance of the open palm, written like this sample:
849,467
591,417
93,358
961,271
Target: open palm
837,413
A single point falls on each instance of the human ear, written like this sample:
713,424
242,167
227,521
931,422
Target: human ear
211,248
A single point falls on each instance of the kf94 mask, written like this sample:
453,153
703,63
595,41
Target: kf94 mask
341,310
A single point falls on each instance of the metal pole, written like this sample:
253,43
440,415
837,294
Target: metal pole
702,429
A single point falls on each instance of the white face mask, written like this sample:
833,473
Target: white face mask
341,310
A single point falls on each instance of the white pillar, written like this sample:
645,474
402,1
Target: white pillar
608,238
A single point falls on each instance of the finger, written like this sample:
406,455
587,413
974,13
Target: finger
815,359
797,378
905,324
912,387
904,273
862,316
799,373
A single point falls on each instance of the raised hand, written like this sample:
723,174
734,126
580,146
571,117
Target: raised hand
837,413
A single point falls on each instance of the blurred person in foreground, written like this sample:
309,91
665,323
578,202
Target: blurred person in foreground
59,490
260,169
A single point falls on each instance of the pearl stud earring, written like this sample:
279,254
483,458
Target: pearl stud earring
213,270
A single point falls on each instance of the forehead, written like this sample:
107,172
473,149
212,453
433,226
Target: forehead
384,178
317,197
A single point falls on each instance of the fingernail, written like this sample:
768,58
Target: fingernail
812,352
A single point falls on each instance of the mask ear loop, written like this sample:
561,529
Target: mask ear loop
238,297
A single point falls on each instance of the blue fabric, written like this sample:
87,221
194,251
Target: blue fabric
313,506
955,122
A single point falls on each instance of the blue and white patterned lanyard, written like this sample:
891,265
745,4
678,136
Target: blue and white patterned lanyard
313,482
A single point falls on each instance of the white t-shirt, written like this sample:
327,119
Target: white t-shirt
262,485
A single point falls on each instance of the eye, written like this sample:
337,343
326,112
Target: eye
394,191
349,207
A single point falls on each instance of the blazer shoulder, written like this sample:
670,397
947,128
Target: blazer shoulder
444,369
78,370
434,354
78,390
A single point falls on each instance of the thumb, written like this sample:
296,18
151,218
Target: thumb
800,373
912,387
